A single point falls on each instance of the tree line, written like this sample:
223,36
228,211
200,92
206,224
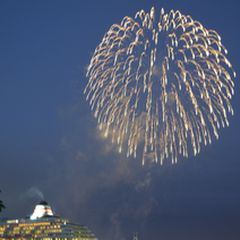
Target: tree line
1,205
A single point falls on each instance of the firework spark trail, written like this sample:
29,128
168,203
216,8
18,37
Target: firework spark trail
160,86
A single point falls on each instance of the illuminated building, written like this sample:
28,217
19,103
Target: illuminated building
44,225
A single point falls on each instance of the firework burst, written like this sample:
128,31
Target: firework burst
160,85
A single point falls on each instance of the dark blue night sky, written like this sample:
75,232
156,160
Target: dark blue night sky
49,141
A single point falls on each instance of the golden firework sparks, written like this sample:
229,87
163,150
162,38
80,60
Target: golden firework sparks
160,85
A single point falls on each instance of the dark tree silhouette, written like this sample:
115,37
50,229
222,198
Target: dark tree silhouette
1,205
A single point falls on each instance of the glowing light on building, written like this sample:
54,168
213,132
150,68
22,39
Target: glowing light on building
42,209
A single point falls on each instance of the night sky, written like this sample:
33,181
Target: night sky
49,141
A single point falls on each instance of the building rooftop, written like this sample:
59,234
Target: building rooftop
42,210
